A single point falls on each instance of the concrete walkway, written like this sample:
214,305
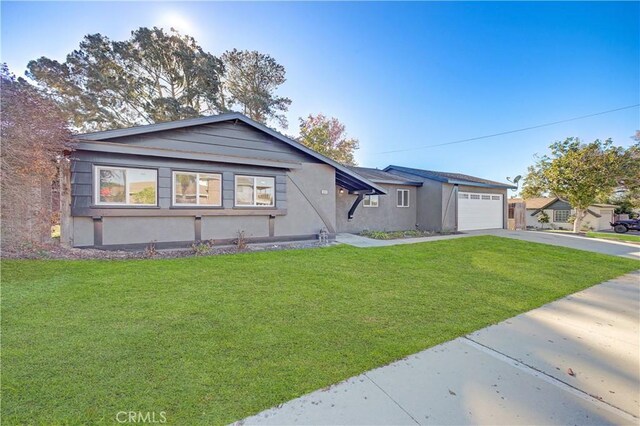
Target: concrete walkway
573,361
364,242
613,248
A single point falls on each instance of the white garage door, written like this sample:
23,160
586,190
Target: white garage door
479,211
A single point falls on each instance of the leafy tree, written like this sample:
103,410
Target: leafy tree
250,83
543,218
533,184
580,173
151,77
328,137
33,136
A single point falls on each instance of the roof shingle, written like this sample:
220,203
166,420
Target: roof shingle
447,177
380,176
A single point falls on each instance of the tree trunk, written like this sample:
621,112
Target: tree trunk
577,223
66,237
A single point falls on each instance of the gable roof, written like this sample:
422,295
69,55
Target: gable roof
541,203
534,203
380,176
345,177
447,177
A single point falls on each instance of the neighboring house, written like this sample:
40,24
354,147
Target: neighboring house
210,178
559,211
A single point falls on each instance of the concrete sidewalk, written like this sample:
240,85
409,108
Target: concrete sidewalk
573,361
613,248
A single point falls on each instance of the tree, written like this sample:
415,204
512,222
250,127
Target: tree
328,137
151,77
250,83
33,136
543,218
533,184
580,173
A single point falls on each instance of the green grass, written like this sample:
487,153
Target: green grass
214,339
619,237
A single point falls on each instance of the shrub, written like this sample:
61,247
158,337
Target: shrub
543,218
202,248
240,242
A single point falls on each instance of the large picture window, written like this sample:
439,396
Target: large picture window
561,216
403,198
125,186
370,201
255,191
197,189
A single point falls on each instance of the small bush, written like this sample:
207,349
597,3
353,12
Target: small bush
202,248
150,250
543,218
241,242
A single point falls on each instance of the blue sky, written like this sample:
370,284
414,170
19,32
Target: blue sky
402,75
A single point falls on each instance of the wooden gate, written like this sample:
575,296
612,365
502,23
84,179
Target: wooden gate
516,220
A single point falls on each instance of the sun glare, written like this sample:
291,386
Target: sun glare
173,19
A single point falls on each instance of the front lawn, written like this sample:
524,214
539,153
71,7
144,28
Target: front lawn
214,339
610,236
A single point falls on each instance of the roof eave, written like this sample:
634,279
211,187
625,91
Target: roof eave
396,182
158,127
480,184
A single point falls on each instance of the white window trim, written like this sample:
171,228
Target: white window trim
197,203
96,184
369,198
404,191
254,205
564,210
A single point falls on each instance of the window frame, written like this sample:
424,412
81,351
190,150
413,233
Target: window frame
403,191
96,186
555,212
367,197
254,205
196,204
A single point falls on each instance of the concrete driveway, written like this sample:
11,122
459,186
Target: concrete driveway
573,361
613,248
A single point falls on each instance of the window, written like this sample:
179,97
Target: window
561,215
463,196
370,201
495,197
403,198
125,186
474,196
486,197
255,191
197,189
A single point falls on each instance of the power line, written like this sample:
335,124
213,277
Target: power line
510,131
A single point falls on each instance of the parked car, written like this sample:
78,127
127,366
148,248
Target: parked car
622,226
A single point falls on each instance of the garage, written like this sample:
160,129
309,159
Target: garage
479,211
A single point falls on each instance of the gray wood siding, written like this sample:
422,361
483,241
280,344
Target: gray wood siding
559,205
226,138
82,180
